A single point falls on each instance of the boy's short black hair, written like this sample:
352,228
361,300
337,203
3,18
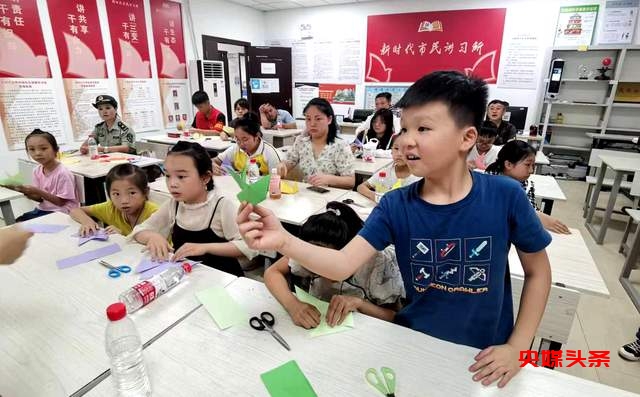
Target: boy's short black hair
466,97
499,102
385,95
488,132
199,97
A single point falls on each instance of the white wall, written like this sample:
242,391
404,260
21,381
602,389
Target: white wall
349,21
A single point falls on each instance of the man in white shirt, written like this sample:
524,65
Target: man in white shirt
383,101
484,152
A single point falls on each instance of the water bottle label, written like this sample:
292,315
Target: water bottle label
146,290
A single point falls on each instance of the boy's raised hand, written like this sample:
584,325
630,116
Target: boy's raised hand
496,363
263,234
304,315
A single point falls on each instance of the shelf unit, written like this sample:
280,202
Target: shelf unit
588,106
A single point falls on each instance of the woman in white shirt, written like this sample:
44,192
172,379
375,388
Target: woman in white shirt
323,158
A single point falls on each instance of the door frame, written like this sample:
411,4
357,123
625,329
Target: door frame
219,55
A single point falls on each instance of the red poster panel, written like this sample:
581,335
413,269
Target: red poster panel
166,19
343,94
405,47
76,31
22,50
129,38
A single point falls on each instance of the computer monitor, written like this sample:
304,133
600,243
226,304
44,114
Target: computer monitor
360,115
516,115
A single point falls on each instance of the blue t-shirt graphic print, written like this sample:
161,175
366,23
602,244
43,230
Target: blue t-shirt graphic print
453,258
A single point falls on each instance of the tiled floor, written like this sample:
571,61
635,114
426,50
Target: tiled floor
602,324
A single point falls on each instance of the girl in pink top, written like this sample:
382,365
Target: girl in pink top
53,186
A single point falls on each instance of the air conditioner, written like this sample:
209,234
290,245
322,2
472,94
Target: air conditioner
209,77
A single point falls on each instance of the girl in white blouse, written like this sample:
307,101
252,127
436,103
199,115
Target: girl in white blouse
200,222
323,158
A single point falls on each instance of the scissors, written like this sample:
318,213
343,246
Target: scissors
385,383
115,272
265,322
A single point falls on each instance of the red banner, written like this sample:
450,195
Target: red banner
404,47
76,31
343,94
22,50
129,38
166,19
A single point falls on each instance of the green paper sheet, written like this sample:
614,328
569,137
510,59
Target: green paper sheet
254,193
225,311
323,328
287,380
12,180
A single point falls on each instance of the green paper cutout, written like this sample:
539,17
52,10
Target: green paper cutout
253,193
287,380
225,311
323,328
12,180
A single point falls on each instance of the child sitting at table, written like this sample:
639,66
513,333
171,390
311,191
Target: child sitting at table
201,223
376,289
381,128
128,203
398,173
517,160
54,186
484,152
249,145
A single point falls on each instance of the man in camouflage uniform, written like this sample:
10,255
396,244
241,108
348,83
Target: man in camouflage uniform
112,134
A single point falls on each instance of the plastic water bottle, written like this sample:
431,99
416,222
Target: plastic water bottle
124,348
144,292
93,148
382,186
274,185
253,174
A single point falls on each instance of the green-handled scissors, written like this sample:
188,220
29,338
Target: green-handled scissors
385,384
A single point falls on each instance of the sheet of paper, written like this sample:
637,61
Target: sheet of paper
11,180
288,187
254,193
146,264
287,380
88,256
226,312
323,328
43,227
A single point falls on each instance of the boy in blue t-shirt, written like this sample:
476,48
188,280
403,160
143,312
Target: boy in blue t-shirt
451,231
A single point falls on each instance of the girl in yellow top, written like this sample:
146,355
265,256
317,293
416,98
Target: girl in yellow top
128,206
249,145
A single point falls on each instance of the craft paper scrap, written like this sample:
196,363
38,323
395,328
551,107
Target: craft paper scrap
288,187
43,227
88,256
323,328
12,180
147,274
287,380
226,312
146,264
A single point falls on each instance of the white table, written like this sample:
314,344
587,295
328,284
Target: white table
53,321
541,159
620,165
547,189
212,142
281,137
573,273
294,209
368,168
83,165
6,195
598,140
196,358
